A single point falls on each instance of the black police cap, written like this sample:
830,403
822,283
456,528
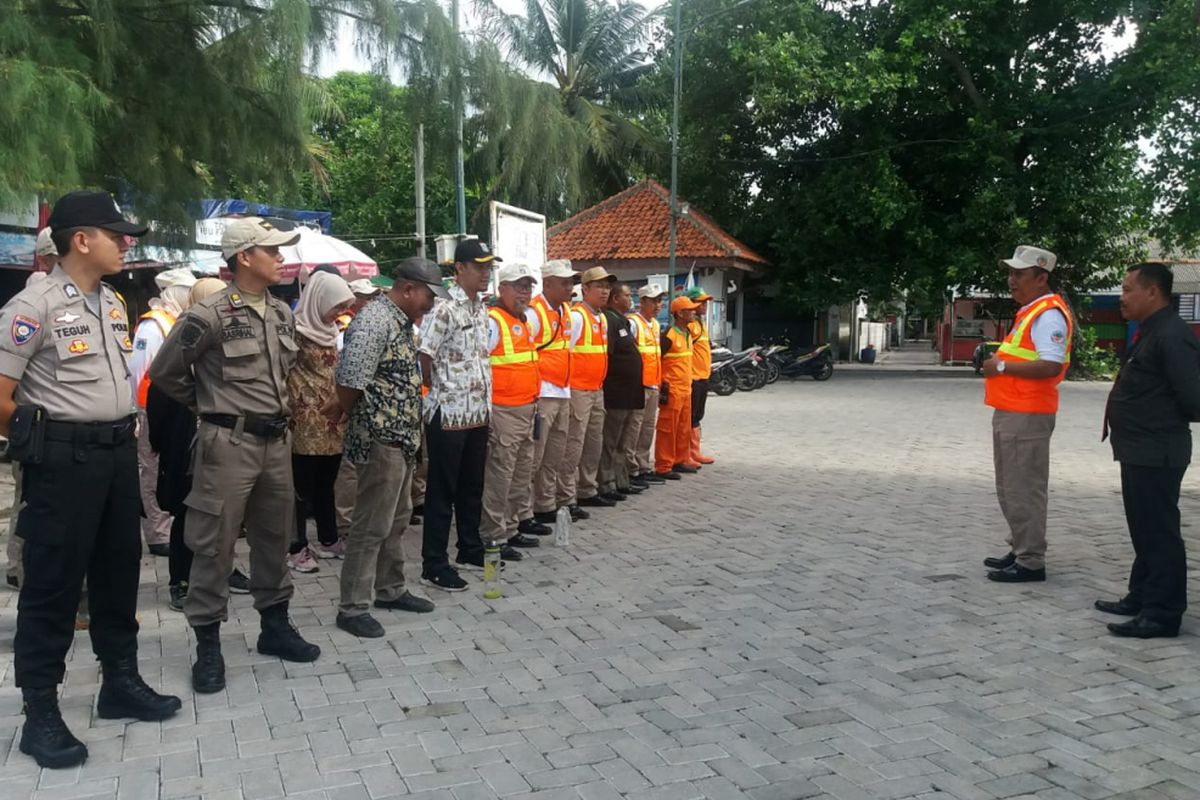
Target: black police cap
92,210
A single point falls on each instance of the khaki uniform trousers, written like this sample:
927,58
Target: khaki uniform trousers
374,550
156,523
508,472
581,459
345,490
549,484
618,430
238,477
639,458
1021,453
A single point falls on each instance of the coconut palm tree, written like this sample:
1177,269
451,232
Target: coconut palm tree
558,127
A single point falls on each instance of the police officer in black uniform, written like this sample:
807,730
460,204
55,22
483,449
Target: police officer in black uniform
67,408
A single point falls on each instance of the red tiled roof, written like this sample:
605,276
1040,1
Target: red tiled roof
635,225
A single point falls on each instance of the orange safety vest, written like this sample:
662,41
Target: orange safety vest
554,356
165,322
650,348
1027,395
701,351
589,359
515,380
677,362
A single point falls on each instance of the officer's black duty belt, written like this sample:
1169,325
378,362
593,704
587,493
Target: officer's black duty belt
101,433
269,427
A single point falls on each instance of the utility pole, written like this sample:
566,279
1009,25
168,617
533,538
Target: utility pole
420,188
459,180
675,148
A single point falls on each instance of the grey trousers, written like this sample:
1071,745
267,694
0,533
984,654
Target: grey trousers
584,443
1021,453
374,551
618,426
549,475
639,457
239,477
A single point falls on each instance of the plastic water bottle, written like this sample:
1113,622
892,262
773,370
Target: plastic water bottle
562,527
491,571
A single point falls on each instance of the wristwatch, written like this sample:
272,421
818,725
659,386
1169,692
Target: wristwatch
999,367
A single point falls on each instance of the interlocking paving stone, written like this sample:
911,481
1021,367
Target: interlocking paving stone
806,618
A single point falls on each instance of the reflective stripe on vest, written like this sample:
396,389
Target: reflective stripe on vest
677,362
589,357
165,321
650,348
554,357
1028,395
515,379
701,351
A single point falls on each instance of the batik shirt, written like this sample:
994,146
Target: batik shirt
455,336
380,360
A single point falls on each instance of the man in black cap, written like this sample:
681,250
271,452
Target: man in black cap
67,408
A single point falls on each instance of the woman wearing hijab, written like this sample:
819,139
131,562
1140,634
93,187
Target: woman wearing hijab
171,429
316,439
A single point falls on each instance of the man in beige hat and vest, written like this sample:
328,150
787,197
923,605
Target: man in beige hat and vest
228,360
1021,384
589,365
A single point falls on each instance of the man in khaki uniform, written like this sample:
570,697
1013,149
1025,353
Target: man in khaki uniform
228,360
508,475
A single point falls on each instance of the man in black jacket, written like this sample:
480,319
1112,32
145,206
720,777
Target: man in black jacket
1155,396
623,395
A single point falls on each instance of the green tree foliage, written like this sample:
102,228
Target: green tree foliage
176,100
367,158
885,146
557,128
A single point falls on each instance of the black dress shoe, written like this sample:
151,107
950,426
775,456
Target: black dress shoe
364,626
509,553
1144,628
1122,607
578,513
631,489
1017,574
544,517
651,477
685,469
534,528
597,501
521,540
407,602
639,482
1000,563
669,476
616,497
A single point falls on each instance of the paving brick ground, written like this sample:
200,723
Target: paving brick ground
807,618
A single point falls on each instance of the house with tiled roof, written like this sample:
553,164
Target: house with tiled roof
629,235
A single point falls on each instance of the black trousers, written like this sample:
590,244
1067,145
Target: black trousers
179,564
81,520
1158,580
314,477
454,486
699,400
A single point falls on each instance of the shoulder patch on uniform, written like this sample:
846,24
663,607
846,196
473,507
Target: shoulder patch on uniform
236,300
1058,337
24,328
141,344
193,330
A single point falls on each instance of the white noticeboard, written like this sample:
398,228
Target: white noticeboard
518,236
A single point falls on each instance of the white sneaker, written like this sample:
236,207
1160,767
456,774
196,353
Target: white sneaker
303,561
335,550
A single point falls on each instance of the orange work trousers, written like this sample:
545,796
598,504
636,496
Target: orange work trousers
673,439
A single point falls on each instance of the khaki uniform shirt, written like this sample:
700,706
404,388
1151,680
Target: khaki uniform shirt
67,359
223,358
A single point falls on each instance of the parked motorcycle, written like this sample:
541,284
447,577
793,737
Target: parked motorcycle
817,364
733,371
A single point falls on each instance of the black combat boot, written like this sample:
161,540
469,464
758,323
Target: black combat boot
123,693
208,673
45,735
280,638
